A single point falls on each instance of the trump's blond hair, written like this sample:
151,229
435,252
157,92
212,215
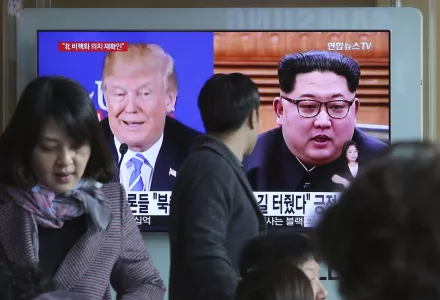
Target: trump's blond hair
148,56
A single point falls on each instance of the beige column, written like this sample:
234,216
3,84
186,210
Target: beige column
9,65
431,76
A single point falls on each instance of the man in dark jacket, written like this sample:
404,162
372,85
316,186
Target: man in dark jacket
213,209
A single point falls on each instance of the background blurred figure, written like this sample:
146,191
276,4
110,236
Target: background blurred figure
316,113
57,208
140,89
382,237
288,248
277,281
214,211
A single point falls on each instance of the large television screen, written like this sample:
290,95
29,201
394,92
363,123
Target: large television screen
313,141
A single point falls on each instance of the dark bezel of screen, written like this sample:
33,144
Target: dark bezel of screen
163,229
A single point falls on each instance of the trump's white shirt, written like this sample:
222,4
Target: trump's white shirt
146,170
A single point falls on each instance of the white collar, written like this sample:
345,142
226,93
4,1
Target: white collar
308,170
150,154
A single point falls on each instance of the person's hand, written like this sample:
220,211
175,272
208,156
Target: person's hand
340,180
337,179
345,183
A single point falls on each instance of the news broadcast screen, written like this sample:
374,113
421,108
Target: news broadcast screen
313,141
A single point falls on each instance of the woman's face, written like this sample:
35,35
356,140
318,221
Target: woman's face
312,270
352,153
56,162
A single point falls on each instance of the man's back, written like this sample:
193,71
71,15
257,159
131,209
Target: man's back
213,215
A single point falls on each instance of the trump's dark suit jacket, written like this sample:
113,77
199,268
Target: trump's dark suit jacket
213,215
116,255
177,140
272,167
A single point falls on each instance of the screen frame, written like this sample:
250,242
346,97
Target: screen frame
405,23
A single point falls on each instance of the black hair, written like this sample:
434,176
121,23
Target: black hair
322,61
382,236
226,101
22,281
277,281
294,247
68,104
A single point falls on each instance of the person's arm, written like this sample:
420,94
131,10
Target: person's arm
206,214
134,276
341,180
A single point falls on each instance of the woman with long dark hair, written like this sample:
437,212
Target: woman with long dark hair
58,208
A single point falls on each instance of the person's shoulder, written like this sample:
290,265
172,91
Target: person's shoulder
203,161
115,194
180,130
105,126
369,142
264,147
7,192
203,164
113,191
179,136
270,136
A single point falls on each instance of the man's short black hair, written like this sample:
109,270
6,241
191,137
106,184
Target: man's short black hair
226,101
294,247
322,61
383,235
